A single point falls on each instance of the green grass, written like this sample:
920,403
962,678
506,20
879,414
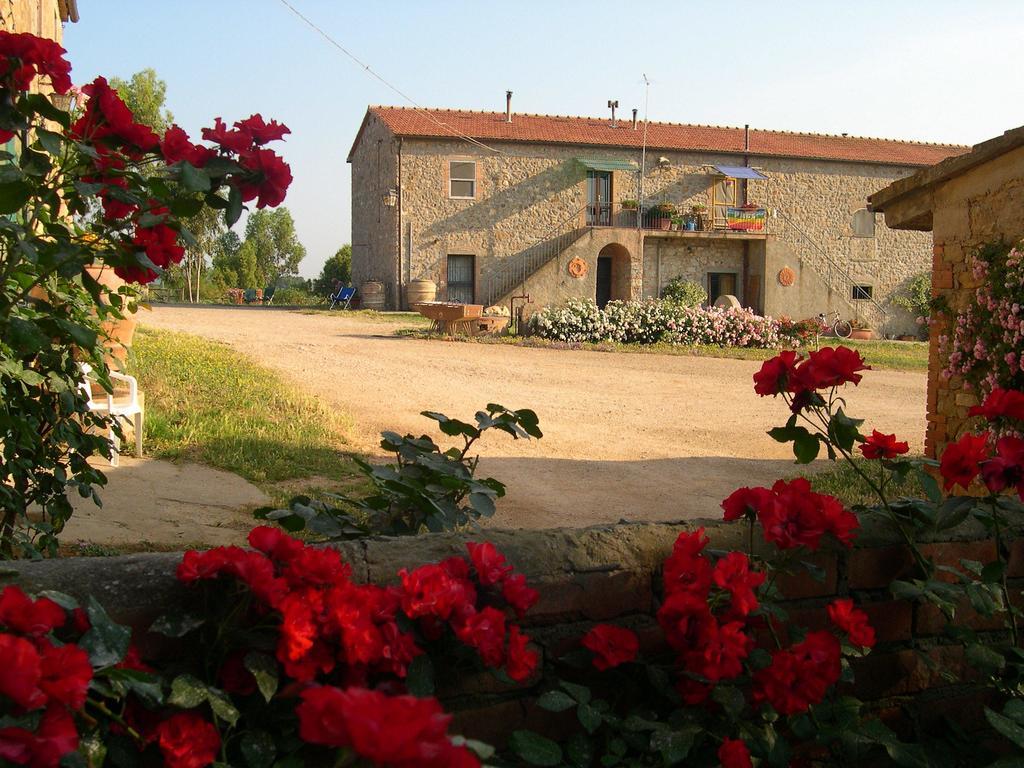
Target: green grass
890,355
209,404
842,481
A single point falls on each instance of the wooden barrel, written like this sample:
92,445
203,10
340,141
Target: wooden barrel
371,295
420,290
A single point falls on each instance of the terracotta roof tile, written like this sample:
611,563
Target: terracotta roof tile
597,132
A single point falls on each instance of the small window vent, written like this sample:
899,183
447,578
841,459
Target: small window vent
862,293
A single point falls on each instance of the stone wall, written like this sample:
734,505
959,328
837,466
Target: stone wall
605,574
665,260
983,205
529,193
38,17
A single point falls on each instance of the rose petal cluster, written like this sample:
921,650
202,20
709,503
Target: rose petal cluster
38,676
1001,404
161,244
798,677
792,515
109,123
879,446
733,753
23,56
264,176
395,731
611,646
187,740
853,621
790,374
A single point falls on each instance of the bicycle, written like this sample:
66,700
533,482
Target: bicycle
838,326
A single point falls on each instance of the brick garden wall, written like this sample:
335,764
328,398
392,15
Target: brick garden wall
984,204
602,574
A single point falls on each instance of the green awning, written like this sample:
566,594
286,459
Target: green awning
607,165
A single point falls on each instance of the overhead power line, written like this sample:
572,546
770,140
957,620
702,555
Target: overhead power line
422,110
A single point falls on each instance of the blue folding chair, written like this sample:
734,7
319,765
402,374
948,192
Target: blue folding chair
343,297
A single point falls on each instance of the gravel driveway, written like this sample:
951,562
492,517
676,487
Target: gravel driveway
626,436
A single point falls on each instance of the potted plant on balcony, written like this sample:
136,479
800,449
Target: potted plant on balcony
662,214
629,205
697,211
861,330
629,208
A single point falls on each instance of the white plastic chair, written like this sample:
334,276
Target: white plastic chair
119,407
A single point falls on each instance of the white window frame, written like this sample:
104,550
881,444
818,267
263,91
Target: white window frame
452,179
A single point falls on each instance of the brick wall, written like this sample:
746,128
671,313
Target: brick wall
983,205
606,574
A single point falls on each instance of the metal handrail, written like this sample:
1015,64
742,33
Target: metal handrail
834,265
535,256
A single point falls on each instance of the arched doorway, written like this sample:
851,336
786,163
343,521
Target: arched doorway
613,274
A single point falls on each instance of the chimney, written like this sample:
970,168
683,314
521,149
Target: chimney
508,106
612,105
634,118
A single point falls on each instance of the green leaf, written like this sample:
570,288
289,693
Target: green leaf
730,698
589,717
535,749
50,141
194,179
184,207
579,750
930,486
221,705
67,602
176,624
82,336
984,659
1010,729
578,692
844,430
420,677
806,447
556,701
993,572
105,642
258,749
41,104
234,209
264,669
675,745
187,692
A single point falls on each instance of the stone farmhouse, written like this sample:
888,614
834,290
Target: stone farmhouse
534,209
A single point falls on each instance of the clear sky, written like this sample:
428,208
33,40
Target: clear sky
932,70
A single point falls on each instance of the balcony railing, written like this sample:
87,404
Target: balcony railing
726,219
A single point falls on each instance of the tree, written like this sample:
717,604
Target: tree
337,268
207,227
275,248
144,94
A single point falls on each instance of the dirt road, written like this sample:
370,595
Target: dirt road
626,436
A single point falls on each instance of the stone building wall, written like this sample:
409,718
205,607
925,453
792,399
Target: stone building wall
374,224
666,259
38,17
983,205
528,193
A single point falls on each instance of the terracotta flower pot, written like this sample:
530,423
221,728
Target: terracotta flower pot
862,334
115,335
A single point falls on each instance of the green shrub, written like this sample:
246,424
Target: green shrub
684,292
916,298
297,297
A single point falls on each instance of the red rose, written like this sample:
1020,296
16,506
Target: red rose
518,595
231,141
65,674
431,590
746,502
521,661
20,672
880,446
23,56
828,367
734,754
489,563
611,645
852,621
685,619
260,132
687,569
187,741
235,677
720,652
108,118
55,737
1001,404
800,676
733,573
275,543
961,461
800,517
485,631
1006,468
268,177
775,374
176,146
399,731
19,613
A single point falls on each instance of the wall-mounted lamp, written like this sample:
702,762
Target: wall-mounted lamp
664,162
390,198
63,101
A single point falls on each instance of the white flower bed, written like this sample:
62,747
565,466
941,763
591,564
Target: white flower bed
653,320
